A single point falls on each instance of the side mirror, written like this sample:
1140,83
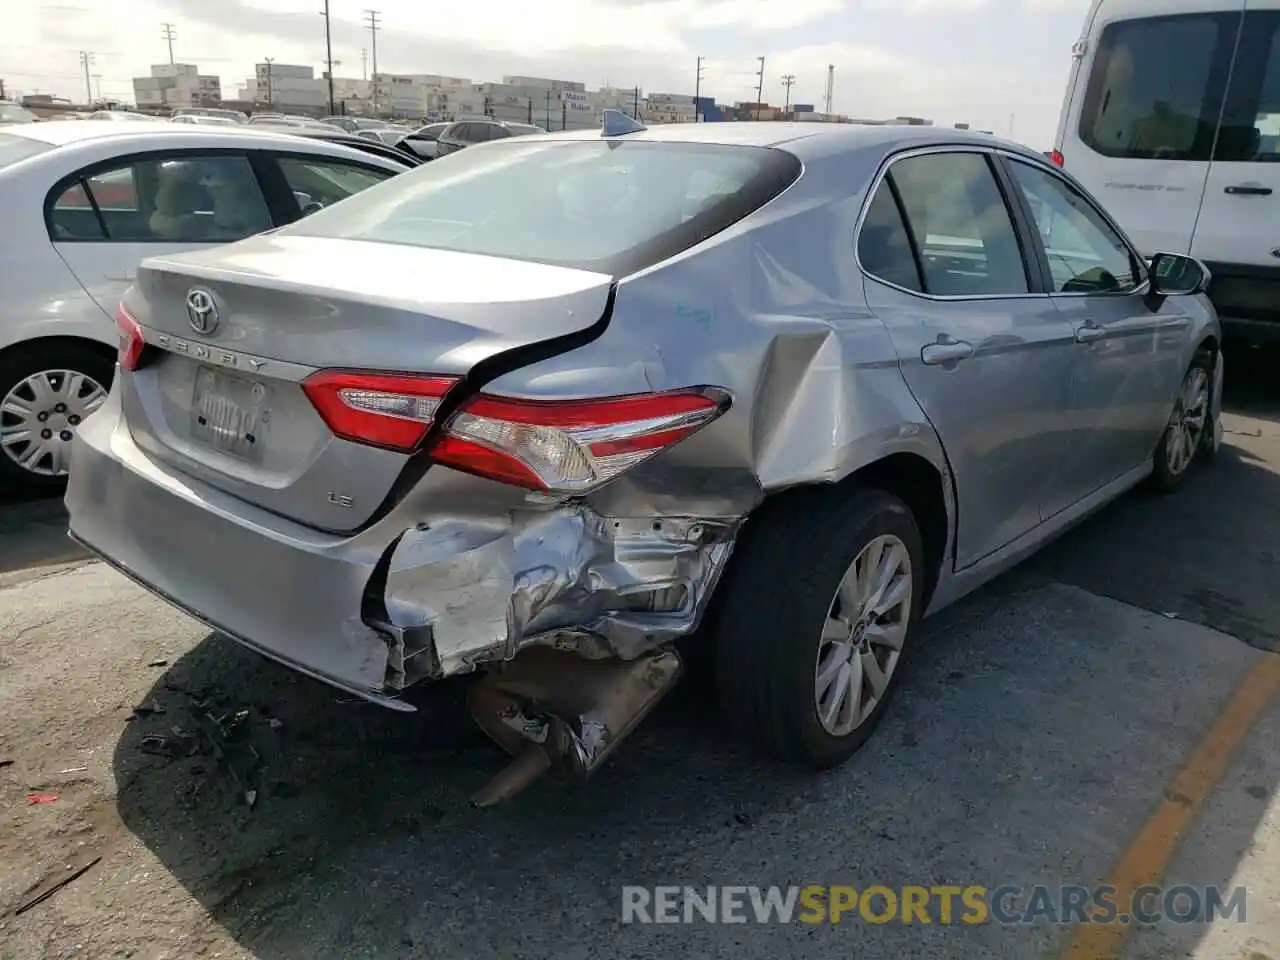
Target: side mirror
312,207
1174,274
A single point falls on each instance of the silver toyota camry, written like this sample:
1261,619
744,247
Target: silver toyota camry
563,411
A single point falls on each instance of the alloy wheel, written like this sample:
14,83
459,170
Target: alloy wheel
863,635
1188,423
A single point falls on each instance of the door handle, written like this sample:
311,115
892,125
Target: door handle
934,354
126,278
1089,332
1248,190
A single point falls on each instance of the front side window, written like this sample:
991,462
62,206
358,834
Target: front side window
1155,89
325,182
1085,254
607,206
962,229
174,200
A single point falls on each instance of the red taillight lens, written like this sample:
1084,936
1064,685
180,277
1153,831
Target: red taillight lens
131,340
1057,158
383,410
571,446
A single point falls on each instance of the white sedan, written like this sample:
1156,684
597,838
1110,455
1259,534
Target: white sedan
83,204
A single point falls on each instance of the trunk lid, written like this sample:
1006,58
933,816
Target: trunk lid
222,399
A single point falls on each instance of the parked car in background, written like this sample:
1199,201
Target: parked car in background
204,121
1172,117
467,133
12,113
424,142
125,115
389,135
280,120
428,432
83,204
330,134
355,124
235,115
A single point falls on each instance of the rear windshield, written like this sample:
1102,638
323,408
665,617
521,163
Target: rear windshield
609,206
13,149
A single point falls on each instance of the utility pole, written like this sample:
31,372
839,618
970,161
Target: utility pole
371,17
328,53
831,86
697,92
268,61
759,87
788,81
86,58
547,118
364,64
635,105
169,36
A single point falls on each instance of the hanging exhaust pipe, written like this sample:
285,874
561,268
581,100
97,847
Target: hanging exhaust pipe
549,708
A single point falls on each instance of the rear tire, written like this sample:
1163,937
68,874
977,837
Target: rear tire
787,590
63,383
1189,435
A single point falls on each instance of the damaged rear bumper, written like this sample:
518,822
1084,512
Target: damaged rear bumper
413,597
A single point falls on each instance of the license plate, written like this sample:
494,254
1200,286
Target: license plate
230,413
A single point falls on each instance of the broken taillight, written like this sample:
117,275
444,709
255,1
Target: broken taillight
556,446
571,446
1057,159
132,342
380,409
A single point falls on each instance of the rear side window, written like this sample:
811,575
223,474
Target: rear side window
610,206
1155,90
193,199
961,226
884,246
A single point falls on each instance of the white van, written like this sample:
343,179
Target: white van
1172,120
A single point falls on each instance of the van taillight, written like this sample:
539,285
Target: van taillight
1057,158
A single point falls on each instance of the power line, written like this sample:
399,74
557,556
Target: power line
371,17
169,36
86,58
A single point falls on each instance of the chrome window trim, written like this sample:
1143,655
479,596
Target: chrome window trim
986,150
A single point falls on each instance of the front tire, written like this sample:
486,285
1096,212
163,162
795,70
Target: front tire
46,391
1189,434
815,620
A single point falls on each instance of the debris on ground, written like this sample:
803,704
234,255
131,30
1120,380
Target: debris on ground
150,709
6,763
44,891
179,745
227,735
158,663
73,770
37,798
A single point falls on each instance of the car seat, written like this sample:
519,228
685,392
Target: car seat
175,216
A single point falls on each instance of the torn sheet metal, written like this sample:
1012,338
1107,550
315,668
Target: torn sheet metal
461,592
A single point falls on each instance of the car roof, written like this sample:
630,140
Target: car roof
801,137
60,133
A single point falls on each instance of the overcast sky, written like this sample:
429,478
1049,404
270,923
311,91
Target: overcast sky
982,61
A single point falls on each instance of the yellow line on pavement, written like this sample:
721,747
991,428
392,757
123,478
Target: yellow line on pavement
1147,857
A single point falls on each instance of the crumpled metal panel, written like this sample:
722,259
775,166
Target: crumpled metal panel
562,576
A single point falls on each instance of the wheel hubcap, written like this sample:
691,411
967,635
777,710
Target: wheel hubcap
1187,425
863,636
38,418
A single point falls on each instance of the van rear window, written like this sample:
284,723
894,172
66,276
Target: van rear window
609,206
1156,86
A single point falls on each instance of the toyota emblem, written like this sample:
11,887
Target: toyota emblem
202,312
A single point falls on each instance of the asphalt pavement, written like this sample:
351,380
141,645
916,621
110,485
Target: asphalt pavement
1104,714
